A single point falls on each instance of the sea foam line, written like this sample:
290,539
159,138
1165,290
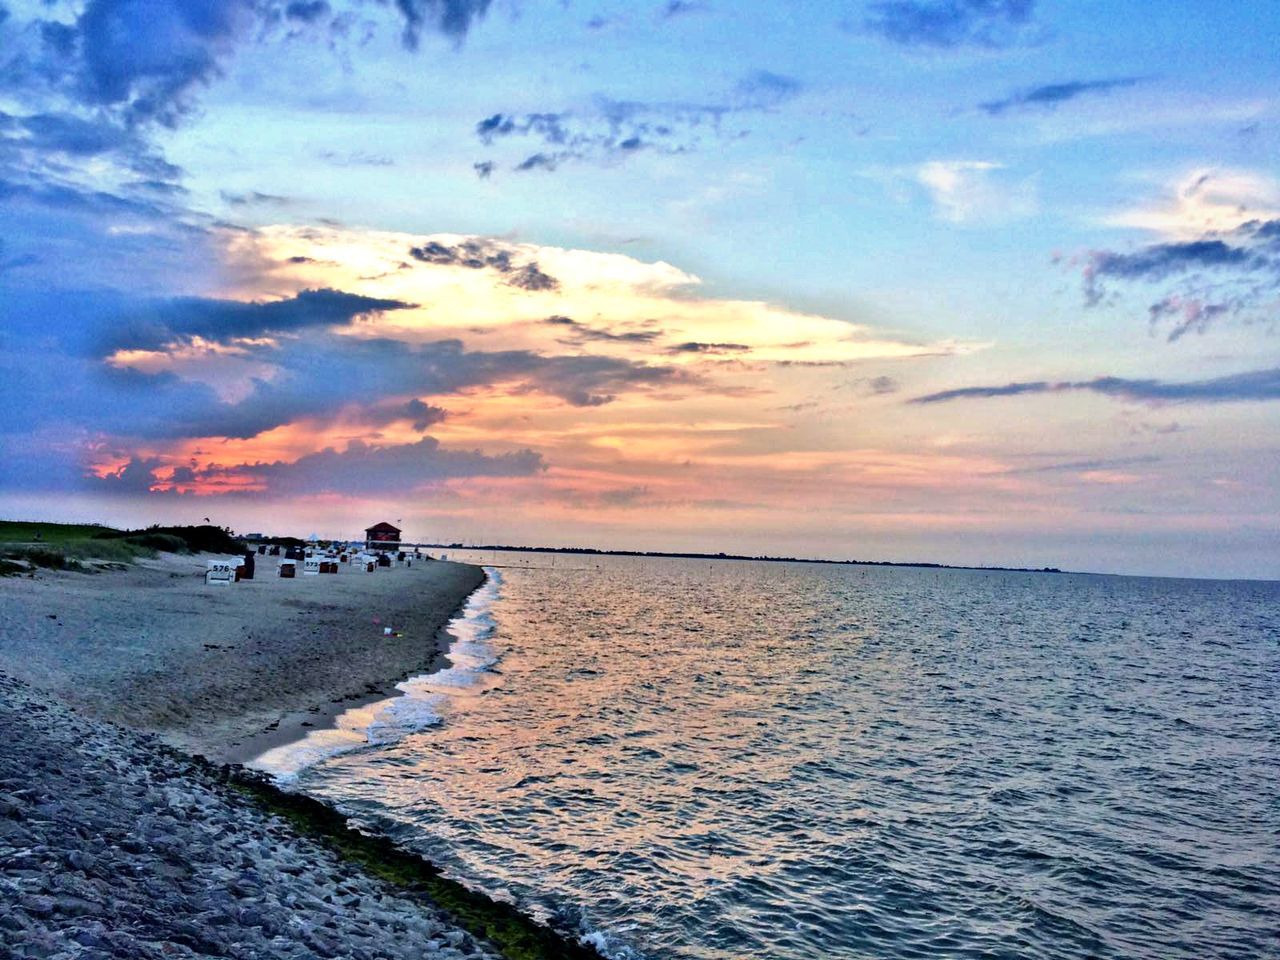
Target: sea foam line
421,700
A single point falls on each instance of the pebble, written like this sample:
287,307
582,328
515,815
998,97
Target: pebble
112,847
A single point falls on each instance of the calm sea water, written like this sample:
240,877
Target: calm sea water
711,760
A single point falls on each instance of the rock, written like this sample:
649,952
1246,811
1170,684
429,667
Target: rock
10,807
73,906
39,906
79,860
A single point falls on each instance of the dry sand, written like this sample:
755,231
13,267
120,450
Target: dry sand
226,672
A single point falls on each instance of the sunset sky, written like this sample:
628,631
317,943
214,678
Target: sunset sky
969,281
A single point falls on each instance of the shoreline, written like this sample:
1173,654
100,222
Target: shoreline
294,725
127,822
226,672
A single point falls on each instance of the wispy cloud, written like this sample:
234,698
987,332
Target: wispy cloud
948,24
1052,95
968,191
1256,385
1203,201
478,255
1233,270
681,8
366,468
610,129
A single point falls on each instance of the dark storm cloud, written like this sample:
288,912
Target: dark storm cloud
156,325
612,129
949,24
1256,385
1052,95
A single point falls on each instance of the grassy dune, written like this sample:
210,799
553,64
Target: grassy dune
25,544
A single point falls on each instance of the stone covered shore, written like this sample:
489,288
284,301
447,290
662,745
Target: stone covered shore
111,846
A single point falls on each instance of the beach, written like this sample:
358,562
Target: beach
225,672
119,838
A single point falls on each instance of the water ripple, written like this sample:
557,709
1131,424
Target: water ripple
683,759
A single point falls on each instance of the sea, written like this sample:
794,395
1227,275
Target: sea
679,758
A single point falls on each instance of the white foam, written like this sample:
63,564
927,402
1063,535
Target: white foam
422,704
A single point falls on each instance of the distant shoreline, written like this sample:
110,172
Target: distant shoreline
673,555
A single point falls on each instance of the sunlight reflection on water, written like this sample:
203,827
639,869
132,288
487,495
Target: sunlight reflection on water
716,760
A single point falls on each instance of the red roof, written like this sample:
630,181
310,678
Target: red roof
383,527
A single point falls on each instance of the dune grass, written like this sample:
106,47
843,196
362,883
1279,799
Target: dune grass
25,545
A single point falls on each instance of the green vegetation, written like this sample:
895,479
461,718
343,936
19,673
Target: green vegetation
67,546
199,539
23,531
516,936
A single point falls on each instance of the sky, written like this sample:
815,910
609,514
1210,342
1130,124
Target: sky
963,281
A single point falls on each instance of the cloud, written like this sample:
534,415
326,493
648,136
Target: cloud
320,374
1256,385
307,11
418,414
154,326
764,90
612,129
681,8
1222,273
453,18
136,476
1052,95
968,191
479,254
1085,466
694,346
363,468
1159,261
947,24
879,386
355,158
579,333
1202,202
253,198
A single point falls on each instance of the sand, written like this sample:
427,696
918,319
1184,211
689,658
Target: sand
225,672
